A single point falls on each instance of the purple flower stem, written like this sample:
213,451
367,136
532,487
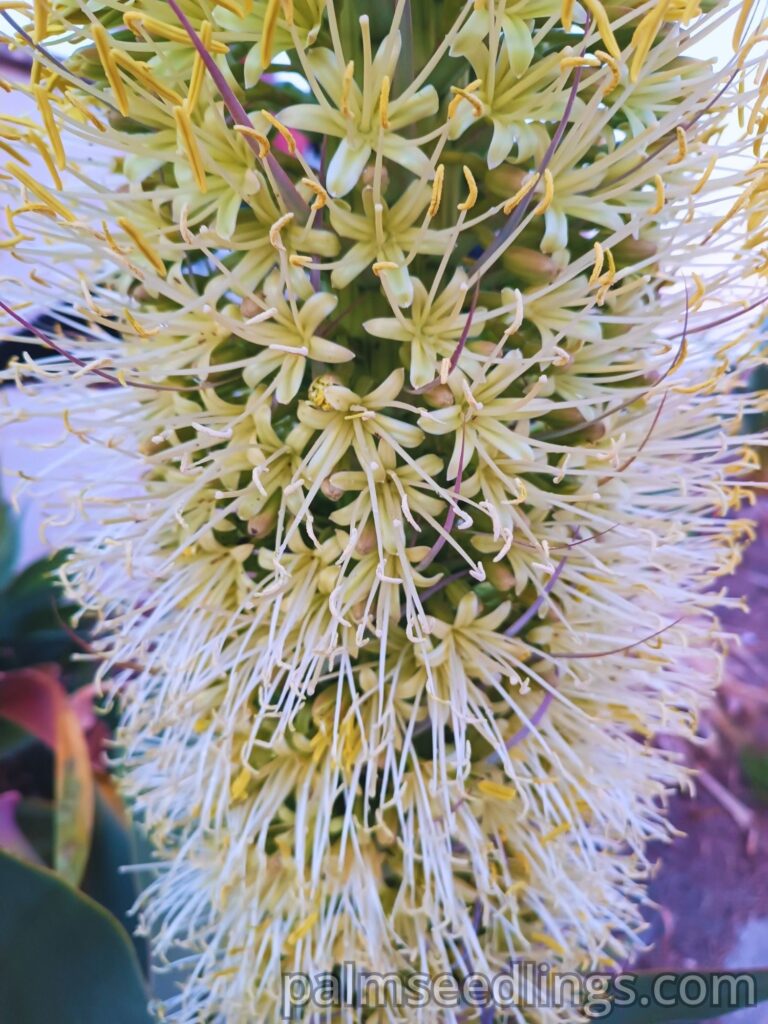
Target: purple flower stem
292,198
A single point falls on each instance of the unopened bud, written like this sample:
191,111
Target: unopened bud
248,308
530,265
438,397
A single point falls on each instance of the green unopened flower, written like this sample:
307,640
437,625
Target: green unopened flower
404,352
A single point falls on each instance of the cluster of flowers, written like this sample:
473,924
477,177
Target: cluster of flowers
407,345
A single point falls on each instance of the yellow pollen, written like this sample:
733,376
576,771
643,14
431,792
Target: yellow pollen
471,199
437,191
296,260
40,191
262,140
268,32
321,196
566,14
658,206
346,85
496,790
549,193
597,269
281,130
188,141
384,103
101,40
302,929
142,245
520,195
603,23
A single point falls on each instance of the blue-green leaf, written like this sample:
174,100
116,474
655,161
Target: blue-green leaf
62,957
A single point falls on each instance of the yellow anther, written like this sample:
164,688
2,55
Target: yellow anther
471,199
101,39
384,102
85,113
274,232
644,36
549,193
13,241
187,140
610,274
698,296
40,28
287,10
143,332
520,195
558,830
321,196
705,176
566,14
232,7
679,358
741,21
263,141
682,146
198,67
239,786
346,85
45,153
460,94
142,245
139,22
658,206
42,193
280,128
110,240
268,32
142,72
437,191
603,23
42,96
296,260
382,265
549,942
576,61
496,790
302,929
598,267
613,66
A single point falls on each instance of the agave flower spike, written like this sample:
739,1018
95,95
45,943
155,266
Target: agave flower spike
411,348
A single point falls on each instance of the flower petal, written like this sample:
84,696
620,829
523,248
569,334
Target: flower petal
346,166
